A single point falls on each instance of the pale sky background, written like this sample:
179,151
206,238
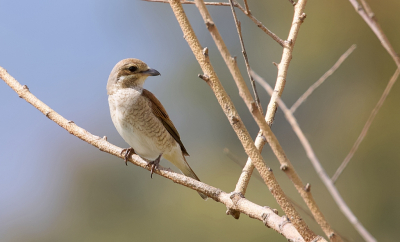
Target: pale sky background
55,187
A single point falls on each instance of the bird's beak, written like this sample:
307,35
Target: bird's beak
151,72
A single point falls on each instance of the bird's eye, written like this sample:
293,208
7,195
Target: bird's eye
132,68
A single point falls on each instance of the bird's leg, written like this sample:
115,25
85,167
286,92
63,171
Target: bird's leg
154,165
128,152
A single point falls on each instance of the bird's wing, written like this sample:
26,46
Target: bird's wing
160,112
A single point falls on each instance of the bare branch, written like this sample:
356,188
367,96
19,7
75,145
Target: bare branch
264,214
246,59
283,67
322,79
376,28
258,23
247,12
238,126
245,94
369,18
367,9
366,126
317,165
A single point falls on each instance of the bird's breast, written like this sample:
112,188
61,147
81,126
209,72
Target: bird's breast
134,120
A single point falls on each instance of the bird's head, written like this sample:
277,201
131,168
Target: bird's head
129,73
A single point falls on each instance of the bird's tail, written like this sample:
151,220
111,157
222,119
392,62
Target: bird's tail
187,171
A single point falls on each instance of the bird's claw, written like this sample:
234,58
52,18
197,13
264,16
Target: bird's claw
154,165
128,152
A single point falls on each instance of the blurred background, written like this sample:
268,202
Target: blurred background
55,187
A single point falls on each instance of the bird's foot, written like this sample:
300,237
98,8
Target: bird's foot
154,165
128,151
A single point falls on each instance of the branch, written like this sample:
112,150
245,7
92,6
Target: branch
258,23
317,165
246,59
322,79
283,66
264,214
376,28
366,126
236,123
278,151
369,18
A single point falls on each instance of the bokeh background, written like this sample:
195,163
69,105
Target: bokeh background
55,187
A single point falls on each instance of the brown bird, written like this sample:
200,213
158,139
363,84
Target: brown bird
141,119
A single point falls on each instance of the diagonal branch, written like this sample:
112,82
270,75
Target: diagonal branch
376,28
370,19
230,111
327,74
269,136
246,59
366,126
264,214
236,4
317,165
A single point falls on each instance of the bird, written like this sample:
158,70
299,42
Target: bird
141,119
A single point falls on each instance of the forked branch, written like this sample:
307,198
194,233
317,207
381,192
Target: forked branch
237,124
316,164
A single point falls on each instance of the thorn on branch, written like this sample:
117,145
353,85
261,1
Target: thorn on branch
209,24
292,2
70,122
269,169
284,167
47,113
105,138
234,59
205,52
302,17
307,187
234,120
204,77
276,64
275,211
24,87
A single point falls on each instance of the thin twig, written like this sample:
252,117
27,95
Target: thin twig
236,4
260,141
264,214
316,164
366,126
370,19
322,79
367,9
246,59
246,7
376,28
283,66
238,126
235,159
245,94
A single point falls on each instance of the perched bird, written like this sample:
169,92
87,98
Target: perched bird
141,119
